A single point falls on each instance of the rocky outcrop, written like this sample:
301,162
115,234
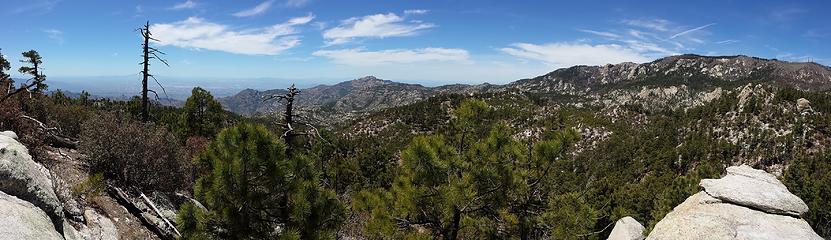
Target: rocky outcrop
21,220
627,228
756,189
745,204
22,177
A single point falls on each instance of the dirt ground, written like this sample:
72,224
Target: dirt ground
68,165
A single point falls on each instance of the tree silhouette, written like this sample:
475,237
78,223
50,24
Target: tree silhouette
6,81
148,53
36,83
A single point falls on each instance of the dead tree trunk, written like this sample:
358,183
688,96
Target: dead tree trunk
146,64
289,124
288,116
148,53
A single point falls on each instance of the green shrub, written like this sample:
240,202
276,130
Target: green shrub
94,185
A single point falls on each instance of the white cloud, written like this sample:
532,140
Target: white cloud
373,26
189,4
360,57
256,10
416,11
55,34
297,3
691,31
570,54
197,33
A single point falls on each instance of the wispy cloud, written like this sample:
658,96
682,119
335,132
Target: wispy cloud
600,33
55,34
256,10
786,14
728,41
197,33
662,25
373,26
189,4
690,31
570,54
37,6
297,3
638,40
416,11
360,57
816,34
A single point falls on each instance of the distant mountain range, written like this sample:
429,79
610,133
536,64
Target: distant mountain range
689,75
359,95
176,87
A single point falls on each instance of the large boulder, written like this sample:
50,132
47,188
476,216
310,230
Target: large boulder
21,220
753,188
22,177
716,213
627,228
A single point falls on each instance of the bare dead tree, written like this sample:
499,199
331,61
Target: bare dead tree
293,121
289,124
148,53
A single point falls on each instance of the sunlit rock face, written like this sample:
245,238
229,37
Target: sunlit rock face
745,204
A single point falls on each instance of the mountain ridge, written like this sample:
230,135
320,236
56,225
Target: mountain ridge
691,73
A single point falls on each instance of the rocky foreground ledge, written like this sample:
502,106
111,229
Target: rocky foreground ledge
745,204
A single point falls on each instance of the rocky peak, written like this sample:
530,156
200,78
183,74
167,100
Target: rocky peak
368,81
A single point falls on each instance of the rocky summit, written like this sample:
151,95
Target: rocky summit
745,204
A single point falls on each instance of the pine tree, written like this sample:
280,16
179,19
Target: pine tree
6,82
476,183
202,115
36,83
33,57
252,190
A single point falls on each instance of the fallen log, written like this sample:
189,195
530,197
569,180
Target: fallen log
122,198
153,206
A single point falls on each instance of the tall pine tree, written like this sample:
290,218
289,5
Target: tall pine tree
202,115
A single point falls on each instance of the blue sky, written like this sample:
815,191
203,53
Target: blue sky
428,42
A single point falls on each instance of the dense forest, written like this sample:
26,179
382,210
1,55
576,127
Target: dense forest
507,165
